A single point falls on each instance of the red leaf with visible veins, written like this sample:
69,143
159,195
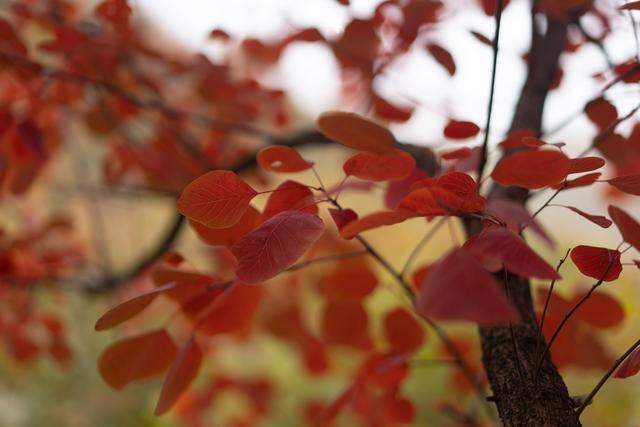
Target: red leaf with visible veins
276,245
499,244
594,261
532,169
280,158
458,288
136,358
217,199
629,227
374,167
629,184
182,372
356,132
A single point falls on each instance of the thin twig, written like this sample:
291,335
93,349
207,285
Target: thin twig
606,377
494,66
418,248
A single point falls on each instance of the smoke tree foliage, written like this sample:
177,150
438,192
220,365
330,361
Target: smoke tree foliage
218,140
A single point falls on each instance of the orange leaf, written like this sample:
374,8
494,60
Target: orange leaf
345,322
182,372
137,358
217,199
130,308
356,132
402,330
374,220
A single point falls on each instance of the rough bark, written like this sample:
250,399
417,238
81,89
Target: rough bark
510,353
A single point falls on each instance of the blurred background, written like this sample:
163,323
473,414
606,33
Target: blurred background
115,224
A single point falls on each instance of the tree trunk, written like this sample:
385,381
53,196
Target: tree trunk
510,353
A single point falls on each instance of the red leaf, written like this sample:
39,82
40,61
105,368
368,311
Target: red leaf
345,322
432,201
342,217
233,311
217,199
390,112
374,167
581,181
515,215
136,358
130,308
532,169
280,158
631,364
182,372
228,236
594,262
398,190
629,227
460,129
374,220
629,184
403,332
601,112
600,220
600,311
356,132
463,186
290,195
460,153
352,279
585,164
516,139
458,288
499,244
276,245
443,57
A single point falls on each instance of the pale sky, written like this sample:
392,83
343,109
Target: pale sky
310,74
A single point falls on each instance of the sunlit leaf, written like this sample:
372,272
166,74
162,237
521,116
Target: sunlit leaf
375,167
217,199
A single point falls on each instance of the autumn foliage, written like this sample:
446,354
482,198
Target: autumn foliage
288,256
